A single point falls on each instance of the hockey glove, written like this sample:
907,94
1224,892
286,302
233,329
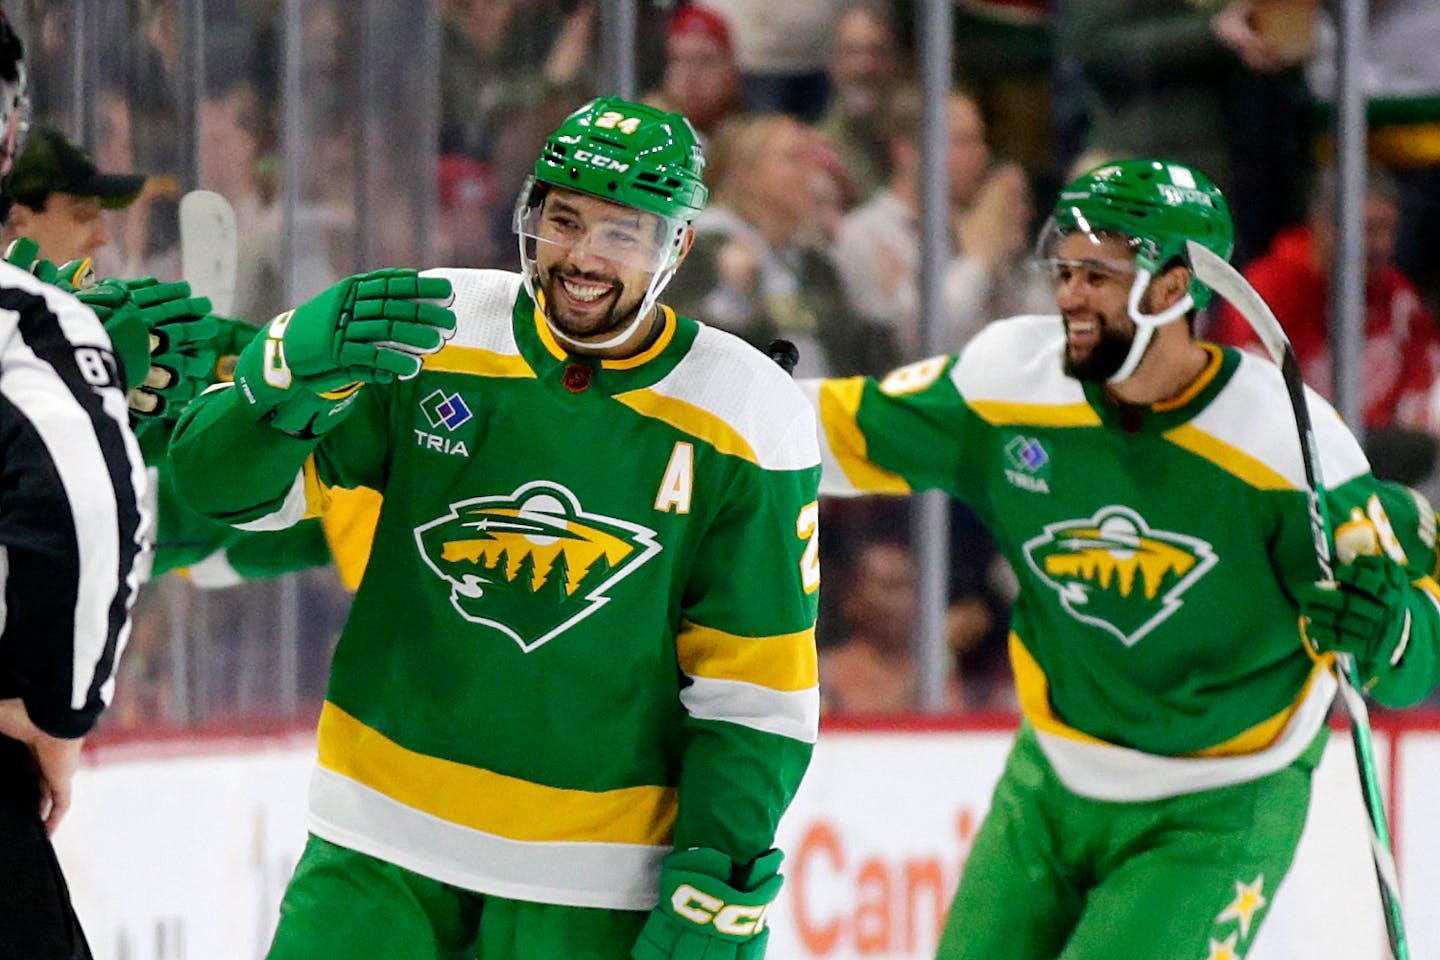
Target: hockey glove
122,321
180,341
1365,611
709,912
304,373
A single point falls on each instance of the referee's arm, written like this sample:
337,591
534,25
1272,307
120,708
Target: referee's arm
71,507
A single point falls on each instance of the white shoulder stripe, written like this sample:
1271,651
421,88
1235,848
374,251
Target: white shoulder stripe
484,303
748,392
786,713
1019,360
1272,440
290,512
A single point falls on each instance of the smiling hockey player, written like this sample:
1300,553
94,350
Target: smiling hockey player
579,675
1148,490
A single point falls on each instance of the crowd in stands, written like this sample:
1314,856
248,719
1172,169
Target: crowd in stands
810,111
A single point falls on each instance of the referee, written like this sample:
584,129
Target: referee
71,524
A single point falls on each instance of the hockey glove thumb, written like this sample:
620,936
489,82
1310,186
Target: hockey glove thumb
24,253
1365,612
707,910
304,372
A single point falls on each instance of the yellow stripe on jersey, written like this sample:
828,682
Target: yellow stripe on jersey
839,408
1229,458
473,360
492,802
667,333
1009,413
1266,732
1212,369
690,419
780,662
317,493
1033,688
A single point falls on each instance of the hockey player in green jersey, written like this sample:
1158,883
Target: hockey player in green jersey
577,687
1148,490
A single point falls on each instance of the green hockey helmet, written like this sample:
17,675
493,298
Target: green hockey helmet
630,154
1157,205
1154,206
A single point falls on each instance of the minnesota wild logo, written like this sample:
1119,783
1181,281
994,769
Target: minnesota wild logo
533,563
1113,571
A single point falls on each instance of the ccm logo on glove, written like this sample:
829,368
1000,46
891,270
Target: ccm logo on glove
277,372
737,920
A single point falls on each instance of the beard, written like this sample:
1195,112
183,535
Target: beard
590,326
1105,358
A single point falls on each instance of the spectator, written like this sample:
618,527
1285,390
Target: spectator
1154,79
757,268
865,67
874,670
1401,84
59,197
781,49
701,79
878,246
1004,53
1402,343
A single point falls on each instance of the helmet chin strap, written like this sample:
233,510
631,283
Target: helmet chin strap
1146,323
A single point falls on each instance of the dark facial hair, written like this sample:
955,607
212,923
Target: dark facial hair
1105,357
611,322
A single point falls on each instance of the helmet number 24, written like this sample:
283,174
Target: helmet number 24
614,120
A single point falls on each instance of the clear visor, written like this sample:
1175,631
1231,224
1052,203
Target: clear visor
1062,250
623,235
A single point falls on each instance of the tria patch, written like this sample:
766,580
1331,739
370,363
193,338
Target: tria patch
447,410
532,563
1115,572
1027,464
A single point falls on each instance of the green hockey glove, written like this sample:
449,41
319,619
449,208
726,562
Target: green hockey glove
24,253
128,334
1365,611
305,372
702,916
179,357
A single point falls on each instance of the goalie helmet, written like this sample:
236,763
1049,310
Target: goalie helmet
629,154
1154,207
14,99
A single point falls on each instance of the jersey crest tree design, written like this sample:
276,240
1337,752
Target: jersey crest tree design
1113,571
532,563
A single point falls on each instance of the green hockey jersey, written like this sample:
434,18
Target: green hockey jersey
211,554
586,630
1155,638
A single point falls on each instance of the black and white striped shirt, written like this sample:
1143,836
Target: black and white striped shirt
72,514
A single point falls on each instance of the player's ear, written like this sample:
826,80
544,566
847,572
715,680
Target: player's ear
685,245
1170,286
19,220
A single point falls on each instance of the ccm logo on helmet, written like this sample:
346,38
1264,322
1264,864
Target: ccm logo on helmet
737,920
596,160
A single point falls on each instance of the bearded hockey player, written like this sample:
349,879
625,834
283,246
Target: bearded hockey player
577,688
1148,490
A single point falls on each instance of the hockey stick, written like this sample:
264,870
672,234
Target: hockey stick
209,247
1216,273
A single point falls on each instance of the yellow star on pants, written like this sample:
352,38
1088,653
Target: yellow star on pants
1223,950
1248,900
